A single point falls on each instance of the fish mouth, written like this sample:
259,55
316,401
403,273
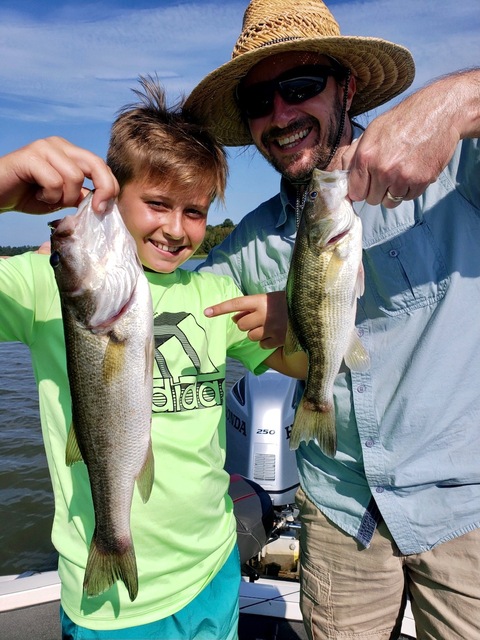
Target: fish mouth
107,324
338,237
53,224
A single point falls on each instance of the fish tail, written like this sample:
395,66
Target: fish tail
104,568
311,422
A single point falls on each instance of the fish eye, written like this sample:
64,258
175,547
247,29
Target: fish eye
55,259
312,195
53,224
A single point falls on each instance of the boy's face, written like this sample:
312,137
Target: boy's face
166,221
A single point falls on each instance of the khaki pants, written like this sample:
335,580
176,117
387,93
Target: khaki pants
351,592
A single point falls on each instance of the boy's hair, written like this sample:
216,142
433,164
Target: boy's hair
150,141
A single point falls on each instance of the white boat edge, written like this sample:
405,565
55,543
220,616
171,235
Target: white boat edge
17,592
272,598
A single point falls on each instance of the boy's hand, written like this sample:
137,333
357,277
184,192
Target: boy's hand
263,316
48,175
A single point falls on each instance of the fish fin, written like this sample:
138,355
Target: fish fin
360,283
333,270
114,359
310,423
72,452
104,568
357,358
145,477
292,343
149,358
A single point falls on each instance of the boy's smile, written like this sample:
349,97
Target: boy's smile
166,221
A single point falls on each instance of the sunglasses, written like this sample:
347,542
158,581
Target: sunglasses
294,86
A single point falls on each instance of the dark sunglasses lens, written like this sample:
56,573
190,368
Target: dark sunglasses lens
298,90
257,101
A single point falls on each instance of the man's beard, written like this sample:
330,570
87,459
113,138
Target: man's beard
320,155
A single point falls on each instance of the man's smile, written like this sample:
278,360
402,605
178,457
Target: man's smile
292,139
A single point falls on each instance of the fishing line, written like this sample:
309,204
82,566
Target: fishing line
302,195
265,600
343,116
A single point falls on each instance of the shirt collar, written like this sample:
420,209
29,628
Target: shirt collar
287,199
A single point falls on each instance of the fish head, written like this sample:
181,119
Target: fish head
70,264
95,262
328,213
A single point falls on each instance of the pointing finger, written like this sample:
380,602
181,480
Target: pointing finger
234,305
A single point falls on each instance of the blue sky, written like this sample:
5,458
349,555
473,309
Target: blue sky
67,67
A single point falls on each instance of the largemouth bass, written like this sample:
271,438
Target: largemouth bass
108,324
325,279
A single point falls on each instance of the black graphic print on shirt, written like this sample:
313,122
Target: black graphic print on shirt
184,378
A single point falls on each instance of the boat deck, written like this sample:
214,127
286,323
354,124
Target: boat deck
29,609
41,622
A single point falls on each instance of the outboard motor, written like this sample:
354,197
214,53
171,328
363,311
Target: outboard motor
254,514
260,413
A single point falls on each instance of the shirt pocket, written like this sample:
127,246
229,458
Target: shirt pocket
405,273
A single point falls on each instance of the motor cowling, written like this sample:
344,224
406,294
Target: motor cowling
259,418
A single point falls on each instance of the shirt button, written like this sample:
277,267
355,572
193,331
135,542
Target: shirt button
360,332
379,489
369,443
361,388
393,253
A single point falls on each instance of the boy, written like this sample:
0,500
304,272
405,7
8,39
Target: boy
169,171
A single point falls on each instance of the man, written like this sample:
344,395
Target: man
399,504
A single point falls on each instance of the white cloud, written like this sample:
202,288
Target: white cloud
74,62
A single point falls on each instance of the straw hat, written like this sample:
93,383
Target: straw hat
382,69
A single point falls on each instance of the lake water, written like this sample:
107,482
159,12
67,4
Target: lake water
26,499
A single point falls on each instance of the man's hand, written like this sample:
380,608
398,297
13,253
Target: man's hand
404,150
48,175
263,316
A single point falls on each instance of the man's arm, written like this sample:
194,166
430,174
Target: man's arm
404,149
48,174
294,365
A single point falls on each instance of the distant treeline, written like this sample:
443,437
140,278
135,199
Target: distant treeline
13,251
213,236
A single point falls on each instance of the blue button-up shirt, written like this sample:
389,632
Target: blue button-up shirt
409,428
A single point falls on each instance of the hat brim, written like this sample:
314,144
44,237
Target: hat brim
382,69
